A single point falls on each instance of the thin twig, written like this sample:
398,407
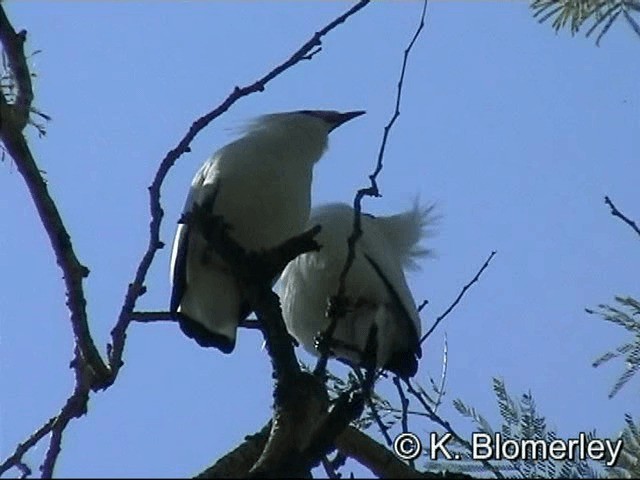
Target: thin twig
25,470
75,407
165,316
372,191
424,303
433,416
443,375
374,410
15,459
459,297
404,401
399,410
328,468
616,213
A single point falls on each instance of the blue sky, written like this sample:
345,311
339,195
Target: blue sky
515,132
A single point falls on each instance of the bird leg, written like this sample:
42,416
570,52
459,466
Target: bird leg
337,307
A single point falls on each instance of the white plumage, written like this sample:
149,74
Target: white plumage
376,288
262,183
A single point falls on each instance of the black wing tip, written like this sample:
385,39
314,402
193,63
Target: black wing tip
204,338
404,364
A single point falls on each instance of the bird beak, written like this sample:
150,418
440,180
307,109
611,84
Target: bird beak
340,118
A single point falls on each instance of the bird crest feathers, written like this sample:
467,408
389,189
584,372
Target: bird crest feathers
406,230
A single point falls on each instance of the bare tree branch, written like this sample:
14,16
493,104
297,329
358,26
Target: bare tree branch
616,213
15,460
328,468
255,272
87,356
384,430
351,443
459,297
164,316
73,271
11,125
372,190
443,376
152,317
349,408
382,462
404,402
302,433
424,303
75,407
238,462
91,371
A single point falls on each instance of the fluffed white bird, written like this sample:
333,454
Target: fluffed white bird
262,187
376,288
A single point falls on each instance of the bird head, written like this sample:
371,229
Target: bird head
304,133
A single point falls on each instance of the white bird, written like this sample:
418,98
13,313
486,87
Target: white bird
376,288
262,187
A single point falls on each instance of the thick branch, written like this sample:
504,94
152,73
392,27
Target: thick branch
255,272
459,297
301,432
238,462
376,457
351,442
300,400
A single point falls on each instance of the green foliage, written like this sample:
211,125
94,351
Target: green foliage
387,415
626,315
576,13
628,465
520,421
